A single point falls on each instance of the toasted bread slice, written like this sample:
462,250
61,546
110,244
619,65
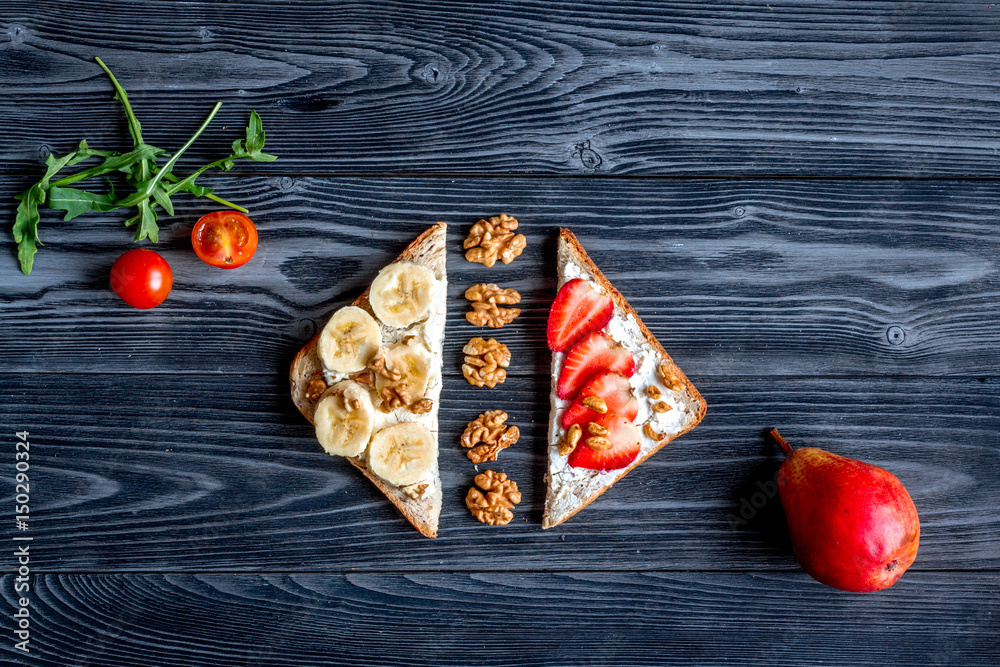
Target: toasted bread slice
427,250
571,489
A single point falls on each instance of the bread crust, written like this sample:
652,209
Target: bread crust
428,250
569,244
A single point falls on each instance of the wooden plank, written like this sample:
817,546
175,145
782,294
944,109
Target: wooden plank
736,277
491,618
208,472
835,88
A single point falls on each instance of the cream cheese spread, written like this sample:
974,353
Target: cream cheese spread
430,334
571,486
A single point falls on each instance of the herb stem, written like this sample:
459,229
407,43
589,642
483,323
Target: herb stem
133,123
171,178
170,163
190,179
144,151
147,190
228,204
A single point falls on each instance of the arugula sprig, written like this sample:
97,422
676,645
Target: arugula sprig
252,151
151,185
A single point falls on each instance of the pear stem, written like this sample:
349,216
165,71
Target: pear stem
785,447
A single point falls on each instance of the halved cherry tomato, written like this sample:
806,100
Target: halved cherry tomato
141,278
225,239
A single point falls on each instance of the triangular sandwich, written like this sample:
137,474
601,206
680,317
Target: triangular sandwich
617,396
370,381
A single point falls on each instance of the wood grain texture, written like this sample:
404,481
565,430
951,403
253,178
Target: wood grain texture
715,88
489,618
196,473
182,512
736,278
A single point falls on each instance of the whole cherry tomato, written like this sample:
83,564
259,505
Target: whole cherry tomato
141,278
225,239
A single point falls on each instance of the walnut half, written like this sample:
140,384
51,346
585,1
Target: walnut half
570,440
485,361
421,407
651,433
486,300
494,239
487,435
416,491
494,503
394,396
669,379
381,365
315,388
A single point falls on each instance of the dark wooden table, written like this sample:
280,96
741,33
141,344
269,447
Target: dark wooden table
799,198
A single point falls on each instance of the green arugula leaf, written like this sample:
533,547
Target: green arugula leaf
77,202
255,140
84,152
113,162
163,199
196,190
26,219
255,134
53,165
147,223
199,191
26,227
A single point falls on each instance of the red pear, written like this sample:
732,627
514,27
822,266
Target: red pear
853,525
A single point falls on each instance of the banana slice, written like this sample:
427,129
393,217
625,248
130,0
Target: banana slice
402,454
344,419
413,362
402,293
349,340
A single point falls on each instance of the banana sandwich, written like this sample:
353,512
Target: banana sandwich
370,381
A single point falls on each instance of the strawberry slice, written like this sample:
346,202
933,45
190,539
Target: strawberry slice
596,353
624,438
614,389
578,310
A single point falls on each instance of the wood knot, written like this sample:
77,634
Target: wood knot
307,328
18,33
895,335
431,73
588,157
